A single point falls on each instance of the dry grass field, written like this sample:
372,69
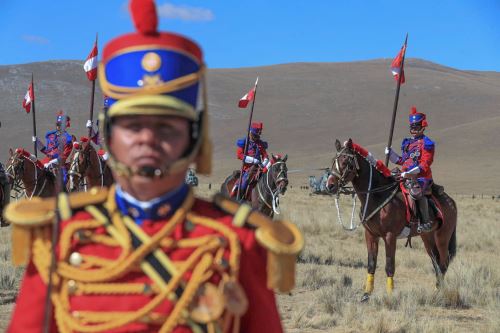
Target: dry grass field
332,269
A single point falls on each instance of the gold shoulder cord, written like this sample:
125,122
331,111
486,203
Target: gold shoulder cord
282,239
97,275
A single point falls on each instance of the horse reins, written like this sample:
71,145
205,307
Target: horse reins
343,189
274,194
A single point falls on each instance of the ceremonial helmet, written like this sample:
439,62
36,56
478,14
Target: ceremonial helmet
256,128
155,73
60,117
417,119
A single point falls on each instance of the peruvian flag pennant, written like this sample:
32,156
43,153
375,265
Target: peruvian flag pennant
396,65
28,98
248,97
90,65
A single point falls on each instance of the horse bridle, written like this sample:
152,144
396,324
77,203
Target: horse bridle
75,165
17,167
348,174
281,177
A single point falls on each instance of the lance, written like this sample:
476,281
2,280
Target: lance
247,138
61,199
396,99
92,94
34,116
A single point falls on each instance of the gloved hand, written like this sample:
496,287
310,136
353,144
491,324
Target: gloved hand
39,144
89,124
266,165
50,163
393,157
251,160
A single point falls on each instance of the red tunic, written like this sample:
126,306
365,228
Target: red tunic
262,315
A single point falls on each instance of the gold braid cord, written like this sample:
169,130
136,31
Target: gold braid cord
98,276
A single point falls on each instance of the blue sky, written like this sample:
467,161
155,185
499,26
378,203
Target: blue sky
457,33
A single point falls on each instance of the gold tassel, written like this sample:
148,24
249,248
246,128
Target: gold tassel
281,271
21,245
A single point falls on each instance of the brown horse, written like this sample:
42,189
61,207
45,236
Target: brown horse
383,213
264,196
87,168
28,175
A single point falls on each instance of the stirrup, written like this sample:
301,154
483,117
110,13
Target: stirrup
424,227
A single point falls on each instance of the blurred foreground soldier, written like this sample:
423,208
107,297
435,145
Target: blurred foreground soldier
417,157
145,255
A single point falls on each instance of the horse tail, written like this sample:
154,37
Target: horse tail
452,245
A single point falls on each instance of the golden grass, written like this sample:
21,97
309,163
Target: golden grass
332,269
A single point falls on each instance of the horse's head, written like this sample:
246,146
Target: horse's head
279,172
344,167
79,162
15,164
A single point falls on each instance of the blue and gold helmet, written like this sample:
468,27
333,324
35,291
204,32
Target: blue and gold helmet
417,118
156,73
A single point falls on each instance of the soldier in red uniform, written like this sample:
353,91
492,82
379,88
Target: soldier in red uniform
256,155
146,255
416,160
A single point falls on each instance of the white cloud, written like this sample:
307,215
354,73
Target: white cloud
185,13
35,39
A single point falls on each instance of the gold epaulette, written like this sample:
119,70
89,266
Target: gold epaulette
26,215
282,239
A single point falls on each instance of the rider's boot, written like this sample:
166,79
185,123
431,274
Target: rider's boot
423,207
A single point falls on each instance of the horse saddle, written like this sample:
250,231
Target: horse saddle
254,174
412,193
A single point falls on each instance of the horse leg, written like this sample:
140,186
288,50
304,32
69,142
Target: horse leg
390,260
433,252
372,247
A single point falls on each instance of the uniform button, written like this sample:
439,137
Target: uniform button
72,287
75,259
163,210
75,314
94,190
133,212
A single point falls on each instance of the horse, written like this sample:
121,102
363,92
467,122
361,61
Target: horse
264,196
384,214
27,174
87,168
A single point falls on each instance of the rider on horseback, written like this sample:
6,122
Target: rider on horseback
51,149
418,154
256,155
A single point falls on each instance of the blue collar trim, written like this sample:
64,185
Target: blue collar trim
156,209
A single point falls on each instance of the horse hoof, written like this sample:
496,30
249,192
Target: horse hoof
365,297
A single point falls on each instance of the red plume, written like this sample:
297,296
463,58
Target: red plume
144,16
413,110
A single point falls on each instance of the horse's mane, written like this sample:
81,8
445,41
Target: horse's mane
378,164
26,154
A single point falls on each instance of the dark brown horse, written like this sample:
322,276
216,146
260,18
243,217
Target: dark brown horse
264,196
383,212
27,175
87,168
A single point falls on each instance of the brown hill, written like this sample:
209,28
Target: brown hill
304,106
